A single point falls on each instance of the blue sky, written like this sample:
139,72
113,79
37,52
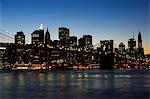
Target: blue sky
103,19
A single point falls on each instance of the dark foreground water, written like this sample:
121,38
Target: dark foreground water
117,84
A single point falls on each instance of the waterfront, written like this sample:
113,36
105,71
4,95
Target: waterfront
94,84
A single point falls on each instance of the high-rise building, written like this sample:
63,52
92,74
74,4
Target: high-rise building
73,42
139,40
47,38
20,38
131,46
87,42
140,50
87,39
81,44
64,36
38,36
47,50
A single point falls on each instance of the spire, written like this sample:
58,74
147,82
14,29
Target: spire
47,33
47,30
139,36
139,32
139,40
47,37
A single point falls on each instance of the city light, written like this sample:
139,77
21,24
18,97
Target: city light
68,54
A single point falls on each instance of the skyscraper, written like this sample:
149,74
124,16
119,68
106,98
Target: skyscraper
121,52
81,44
87,39
139,40
73,42
37,37
64,36
131,46
140,50
20,38
87,42
47,38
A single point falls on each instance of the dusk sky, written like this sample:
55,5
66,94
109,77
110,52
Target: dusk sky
103,19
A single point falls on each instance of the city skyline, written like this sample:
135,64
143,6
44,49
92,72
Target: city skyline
115,19
27,41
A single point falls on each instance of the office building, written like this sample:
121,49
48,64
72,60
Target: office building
64,36
37,37
20,38
87,43
132,46
80,44
73,42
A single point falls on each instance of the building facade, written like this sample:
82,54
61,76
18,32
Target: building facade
20,38
64,36
47,38
37,37
87,43
73,43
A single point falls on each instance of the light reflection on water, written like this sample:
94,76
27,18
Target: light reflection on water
74,84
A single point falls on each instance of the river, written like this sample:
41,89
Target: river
94,84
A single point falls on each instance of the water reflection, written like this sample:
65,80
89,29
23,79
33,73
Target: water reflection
75,84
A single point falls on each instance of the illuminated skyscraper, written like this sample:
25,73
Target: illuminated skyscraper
73,42
20,38
37,37
64,36
87,42
131,46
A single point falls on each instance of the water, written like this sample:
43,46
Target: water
128,84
